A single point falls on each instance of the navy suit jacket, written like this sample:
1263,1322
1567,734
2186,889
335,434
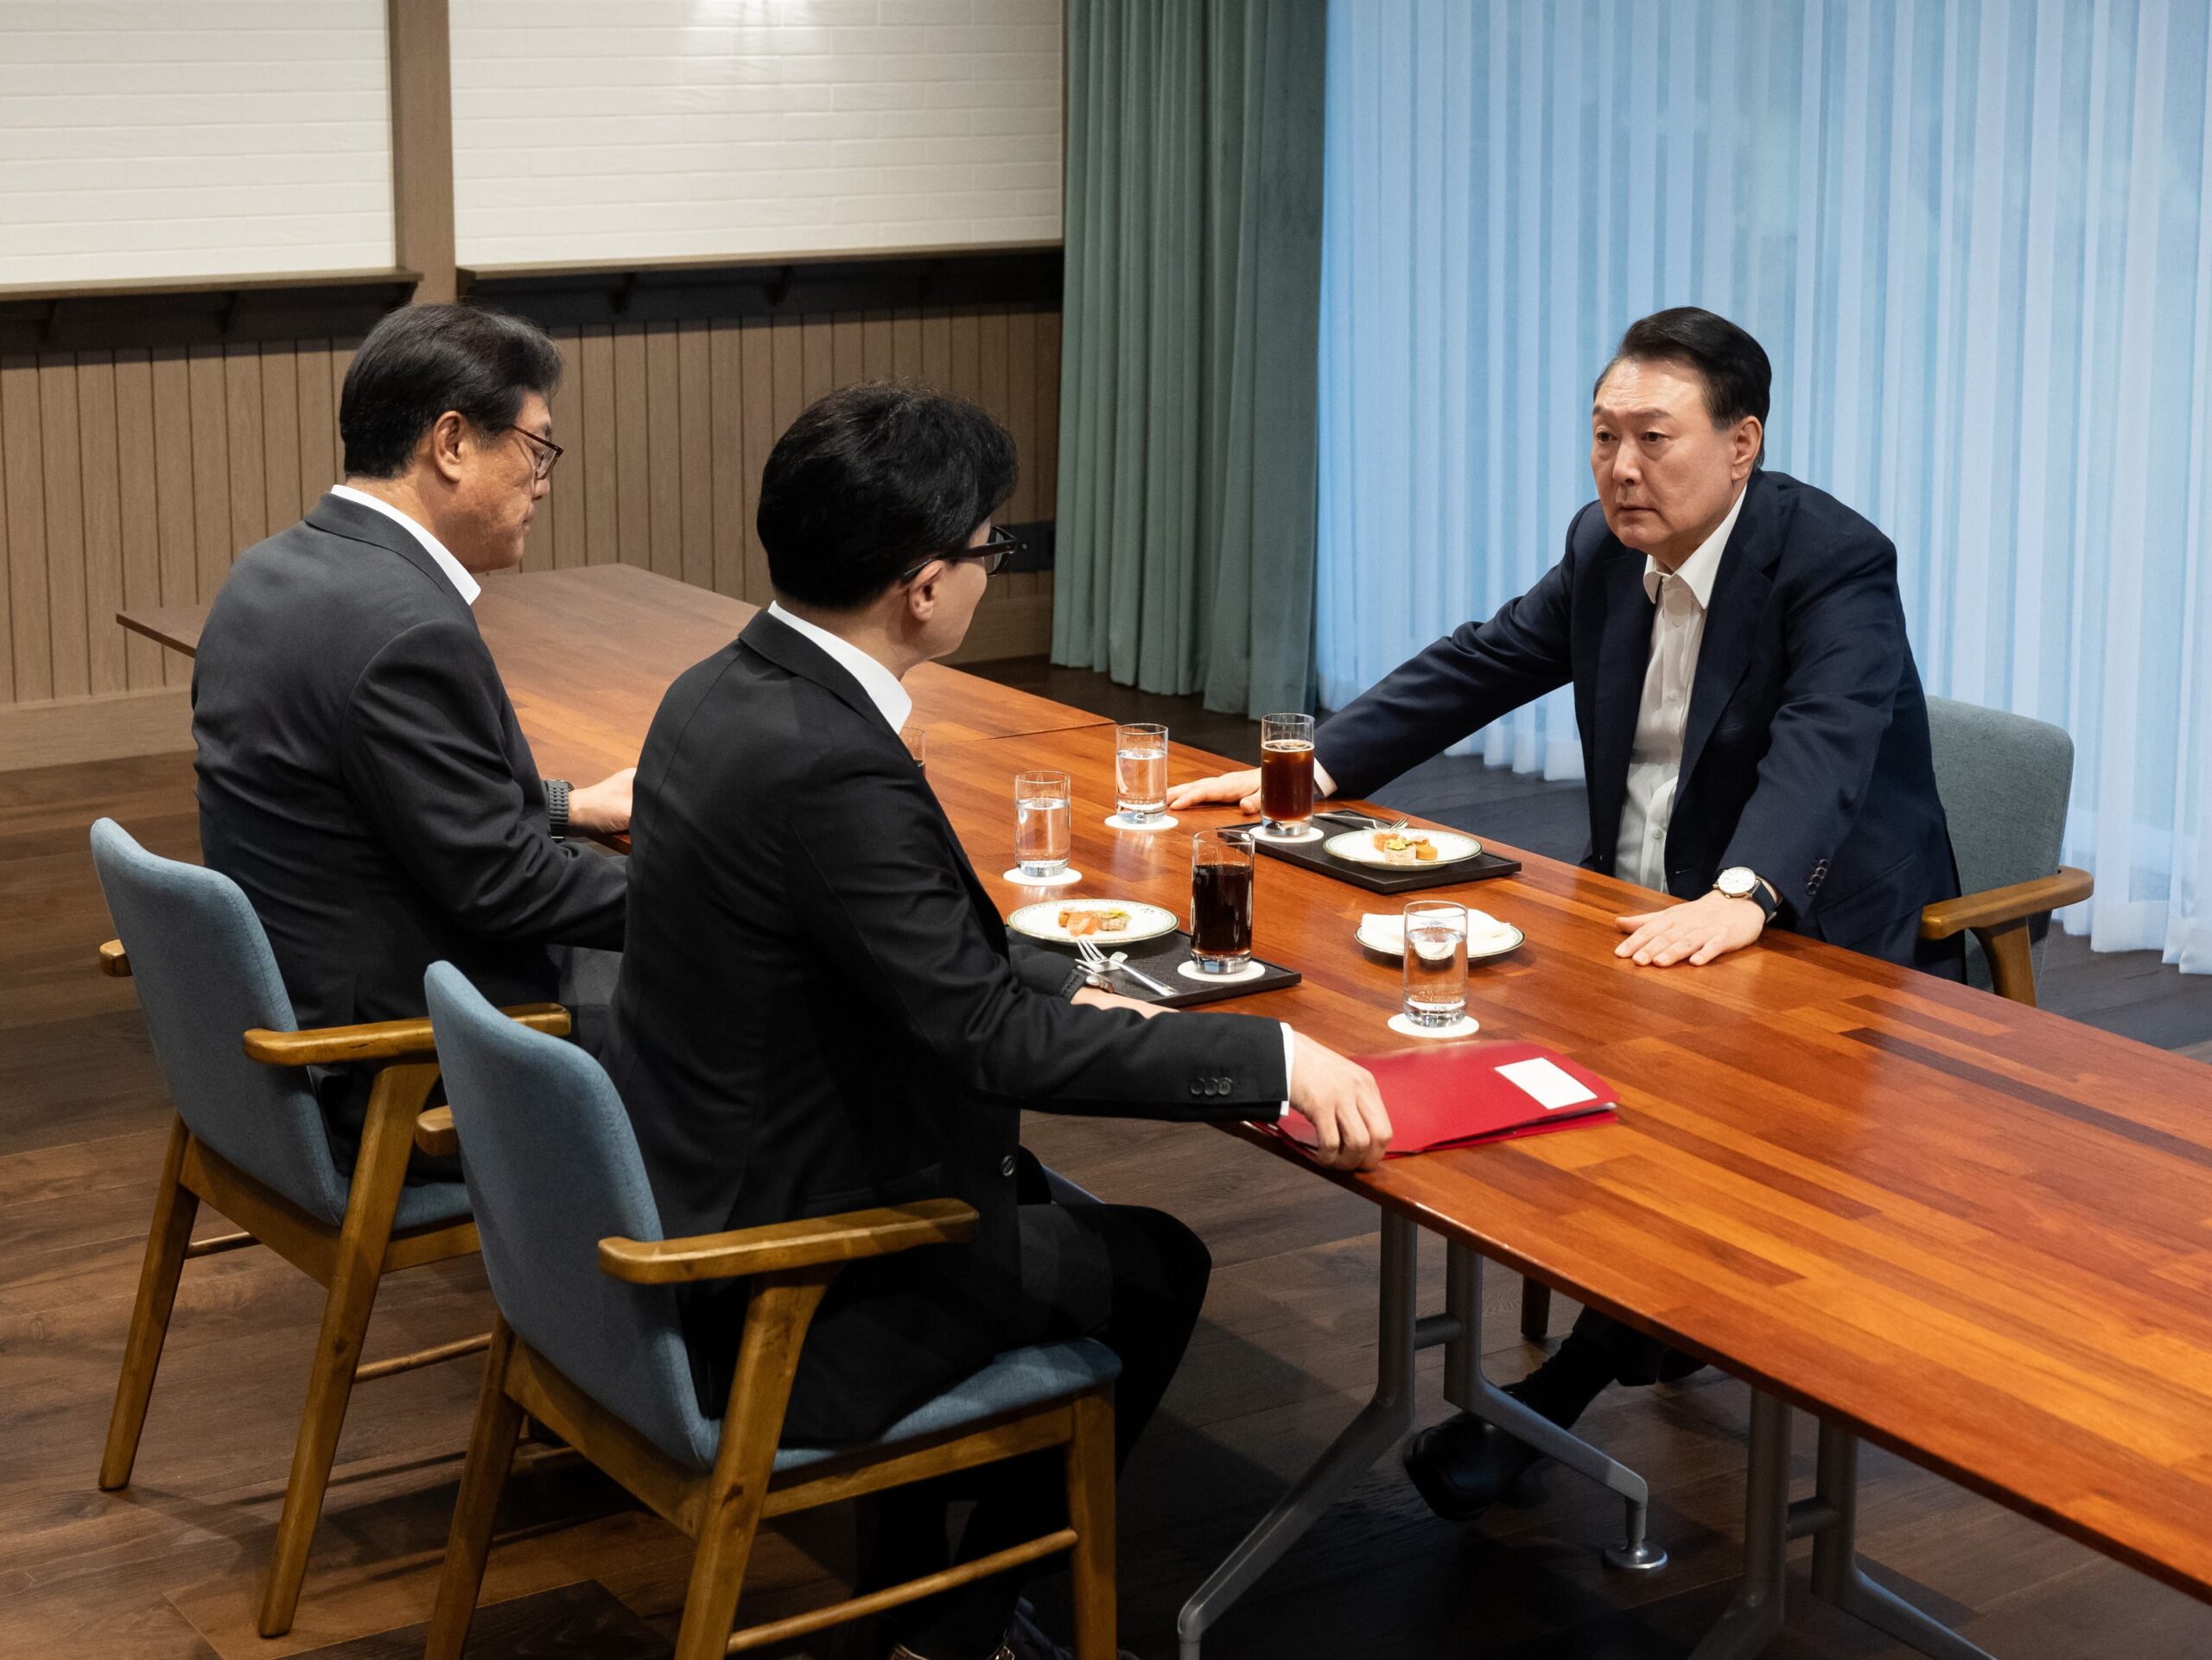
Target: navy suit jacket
1805,752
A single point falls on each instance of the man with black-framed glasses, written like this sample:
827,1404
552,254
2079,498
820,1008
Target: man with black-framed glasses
362,775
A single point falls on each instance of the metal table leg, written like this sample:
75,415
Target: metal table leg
1466,1387
1381,1424
1830,1518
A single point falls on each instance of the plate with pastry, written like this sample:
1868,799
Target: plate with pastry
1404,847
1062,922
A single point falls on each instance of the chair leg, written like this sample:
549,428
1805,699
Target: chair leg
387,1136
175,1207
1091,1513
1536,1310
491,1452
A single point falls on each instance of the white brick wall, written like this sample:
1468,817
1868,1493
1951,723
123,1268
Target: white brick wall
651,129
192,137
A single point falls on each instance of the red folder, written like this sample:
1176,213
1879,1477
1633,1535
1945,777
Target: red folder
1455,1095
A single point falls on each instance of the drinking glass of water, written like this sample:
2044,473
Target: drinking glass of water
1042,825
1287,774
1140,772
1436,962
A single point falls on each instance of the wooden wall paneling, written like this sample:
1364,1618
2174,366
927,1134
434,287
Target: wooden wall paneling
96,443
65,523
341,360
418,35
964,365
245,449
906,343
756,358
173,514
817,361
1046,504
149,666
213,536
602,523
1020,416
665,448
694,442
875,346
22,459
937,347
318,404
633,543
848,349
282,499
556,537
726,452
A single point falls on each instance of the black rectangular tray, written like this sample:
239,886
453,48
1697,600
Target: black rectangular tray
1384,879
1159,958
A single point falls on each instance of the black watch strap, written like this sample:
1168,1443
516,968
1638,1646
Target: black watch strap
1765,900
556,807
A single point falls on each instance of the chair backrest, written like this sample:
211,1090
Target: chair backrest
553,1168
205,976
2005,780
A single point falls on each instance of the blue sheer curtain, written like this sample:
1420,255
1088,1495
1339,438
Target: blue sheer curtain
1973,238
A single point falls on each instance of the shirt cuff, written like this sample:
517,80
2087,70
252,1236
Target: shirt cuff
1323,783
1289,1059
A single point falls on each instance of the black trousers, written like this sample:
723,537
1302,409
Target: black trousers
1133,1278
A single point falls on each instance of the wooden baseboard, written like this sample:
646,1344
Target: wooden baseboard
108,726
1015,619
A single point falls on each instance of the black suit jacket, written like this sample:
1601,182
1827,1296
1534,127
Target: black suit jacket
1805,752
363,779
820,1010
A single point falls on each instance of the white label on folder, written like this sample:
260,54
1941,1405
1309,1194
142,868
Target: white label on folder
1552,1086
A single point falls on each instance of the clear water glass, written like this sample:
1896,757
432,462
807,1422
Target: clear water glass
1436,962
1140,771
1043,823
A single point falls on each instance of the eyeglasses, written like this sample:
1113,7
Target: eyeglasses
544,452
994,552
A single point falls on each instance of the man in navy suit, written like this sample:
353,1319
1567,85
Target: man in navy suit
1753,734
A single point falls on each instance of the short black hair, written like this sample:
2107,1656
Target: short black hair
421,361
872,480
1733,366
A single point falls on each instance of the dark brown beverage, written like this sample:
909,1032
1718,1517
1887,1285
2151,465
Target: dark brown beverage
1221,911
1287,781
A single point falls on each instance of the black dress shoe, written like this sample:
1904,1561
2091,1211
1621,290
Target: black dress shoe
1464,1466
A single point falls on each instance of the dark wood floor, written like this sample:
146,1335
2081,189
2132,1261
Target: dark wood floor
171,1567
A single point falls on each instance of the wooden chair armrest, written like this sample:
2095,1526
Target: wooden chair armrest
785,1245
434,1134
1994,907
332,1046
115,962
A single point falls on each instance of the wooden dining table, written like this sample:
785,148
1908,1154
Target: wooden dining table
1969,1231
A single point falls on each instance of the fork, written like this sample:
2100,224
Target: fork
1099,964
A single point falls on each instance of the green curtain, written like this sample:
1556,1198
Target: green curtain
1186,535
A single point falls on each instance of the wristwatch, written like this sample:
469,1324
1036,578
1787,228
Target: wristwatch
556,806
1742,883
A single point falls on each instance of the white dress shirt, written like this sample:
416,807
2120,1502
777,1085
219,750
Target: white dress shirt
464,584
891,702
1655,763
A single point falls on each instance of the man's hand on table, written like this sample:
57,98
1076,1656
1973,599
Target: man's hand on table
1696,931
603,809
1340,1098
1241,787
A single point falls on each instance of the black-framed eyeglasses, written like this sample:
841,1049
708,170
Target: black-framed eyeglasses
1001,547
544,452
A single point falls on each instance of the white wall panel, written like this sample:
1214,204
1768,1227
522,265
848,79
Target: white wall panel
147,138
659,128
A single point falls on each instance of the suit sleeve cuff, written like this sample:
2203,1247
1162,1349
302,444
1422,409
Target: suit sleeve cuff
1289,1060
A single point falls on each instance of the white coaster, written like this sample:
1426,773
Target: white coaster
1309,834
1060,879
1251,971
1466,1026
1159,821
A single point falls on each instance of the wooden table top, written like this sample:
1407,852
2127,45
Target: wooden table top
587,653
1975,1233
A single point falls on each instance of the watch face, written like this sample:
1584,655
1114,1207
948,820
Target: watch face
1736,883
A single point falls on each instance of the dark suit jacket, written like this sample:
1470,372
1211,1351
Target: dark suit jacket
820,1011
1805,754
362,778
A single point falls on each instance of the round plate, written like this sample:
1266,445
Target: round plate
1477,951
1042,921
1358,847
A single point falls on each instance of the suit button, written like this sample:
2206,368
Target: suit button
1197,1089
1005,1165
